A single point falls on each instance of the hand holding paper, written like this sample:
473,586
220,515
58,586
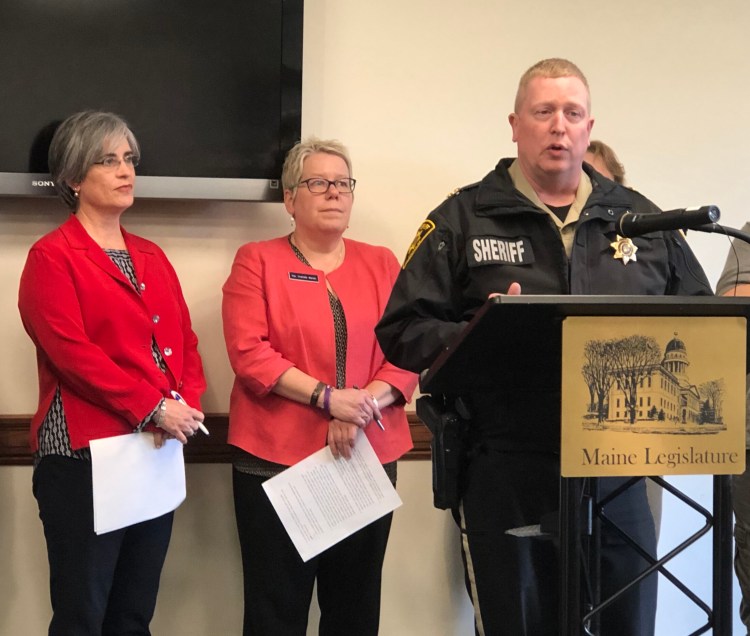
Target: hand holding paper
133,481
341,438
322,500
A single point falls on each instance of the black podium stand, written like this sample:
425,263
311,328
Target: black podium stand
514,338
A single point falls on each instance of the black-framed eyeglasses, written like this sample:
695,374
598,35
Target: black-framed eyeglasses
316,185
112,163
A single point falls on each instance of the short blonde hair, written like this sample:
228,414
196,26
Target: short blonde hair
609,158
295,158
552,67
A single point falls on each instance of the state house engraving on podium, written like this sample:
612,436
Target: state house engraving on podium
653,396
594,351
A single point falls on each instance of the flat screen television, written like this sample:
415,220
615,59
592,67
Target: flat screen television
211,89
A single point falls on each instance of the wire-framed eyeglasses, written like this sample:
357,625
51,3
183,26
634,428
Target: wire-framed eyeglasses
317,185
110,162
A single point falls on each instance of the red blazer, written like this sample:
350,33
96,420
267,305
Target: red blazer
276,316
93,333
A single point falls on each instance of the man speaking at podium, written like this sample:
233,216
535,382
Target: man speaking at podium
543,223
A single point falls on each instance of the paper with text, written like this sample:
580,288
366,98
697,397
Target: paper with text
134,481
322,500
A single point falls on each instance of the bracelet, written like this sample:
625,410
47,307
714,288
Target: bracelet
316,393
327,399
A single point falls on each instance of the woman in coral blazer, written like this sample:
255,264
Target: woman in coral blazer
299,316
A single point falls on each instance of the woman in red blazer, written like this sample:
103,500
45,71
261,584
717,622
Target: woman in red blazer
299,316
113,338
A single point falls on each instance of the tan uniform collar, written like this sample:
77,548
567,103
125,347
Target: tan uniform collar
567,228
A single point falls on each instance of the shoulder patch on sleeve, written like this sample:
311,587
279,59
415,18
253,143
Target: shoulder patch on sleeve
422,233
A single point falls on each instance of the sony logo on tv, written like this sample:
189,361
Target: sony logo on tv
42,184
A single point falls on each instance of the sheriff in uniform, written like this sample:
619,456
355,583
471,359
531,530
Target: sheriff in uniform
544,221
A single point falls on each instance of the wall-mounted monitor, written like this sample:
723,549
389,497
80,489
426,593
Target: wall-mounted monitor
211,89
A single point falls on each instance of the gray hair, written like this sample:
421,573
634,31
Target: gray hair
80,141
295,158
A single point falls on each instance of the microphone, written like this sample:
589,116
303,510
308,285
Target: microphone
633,224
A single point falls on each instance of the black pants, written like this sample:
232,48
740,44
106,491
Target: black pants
513,581
279,585
99,584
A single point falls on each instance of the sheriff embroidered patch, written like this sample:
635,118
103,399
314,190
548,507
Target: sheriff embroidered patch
495,250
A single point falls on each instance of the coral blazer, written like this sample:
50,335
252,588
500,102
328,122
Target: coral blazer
93,333
277,316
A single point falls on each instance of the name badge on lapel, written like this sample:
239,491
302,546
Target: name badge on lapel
305,278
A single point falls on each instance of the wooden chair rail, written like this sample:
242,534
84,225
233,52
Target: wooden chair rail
14,447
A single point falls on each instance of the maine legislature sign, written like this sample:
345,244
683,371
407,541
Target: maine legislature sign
653,396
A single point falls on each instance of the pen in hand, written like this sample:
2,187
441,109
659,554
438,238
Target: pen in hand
180,399
377,420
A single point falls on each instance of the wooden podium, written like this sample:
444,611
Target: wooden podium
515,340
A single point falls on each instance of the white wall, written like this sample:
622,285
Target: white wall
420,92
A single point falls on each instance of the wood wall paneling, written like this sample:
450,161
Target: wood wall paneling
14,447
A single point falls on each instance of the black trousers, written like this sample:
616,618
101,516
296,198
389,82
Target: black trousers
99,584
278,584
513,581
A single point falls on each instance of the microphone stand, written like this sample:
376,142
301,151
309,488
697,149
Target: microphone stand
716,228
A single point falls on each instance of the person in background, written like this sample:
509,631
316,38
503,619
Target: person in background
299,313
735,281
548,221
604,160
113,337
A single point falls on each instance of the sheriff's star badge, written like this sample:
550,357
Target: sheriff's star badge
624,249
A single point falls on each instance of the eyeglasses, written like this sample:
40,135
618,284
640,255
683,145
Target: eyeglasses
110,162
316,185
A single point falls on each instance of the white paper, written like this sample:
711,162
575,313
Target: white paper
134,481
322,500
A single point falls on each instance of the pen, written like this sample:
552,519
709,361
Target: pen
180,399
377,421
